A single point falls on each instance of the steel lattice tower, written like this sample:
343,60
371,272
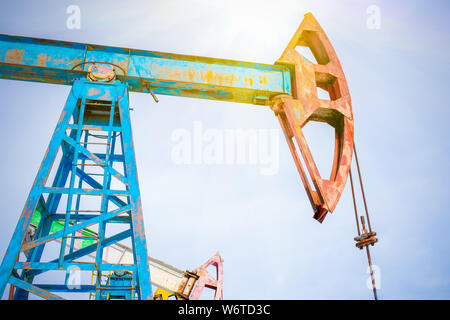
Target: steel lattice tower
94,112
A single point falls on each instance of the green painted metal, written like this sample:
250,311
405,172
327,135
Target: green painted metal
58,226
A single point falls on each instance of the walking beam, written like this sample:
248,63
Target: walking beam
62,62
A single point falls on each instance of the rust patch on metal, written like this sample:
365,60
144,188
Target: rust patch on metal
42,60
93,92
14,56
191,75
208,281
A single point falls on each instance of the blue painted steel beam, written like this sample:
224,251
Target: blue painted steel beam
80,288
66,288
51,61
67,265
139,242
92,192
79,217
101,156
33,289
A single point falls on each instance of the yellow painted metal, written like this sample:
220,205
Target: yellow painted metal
161,294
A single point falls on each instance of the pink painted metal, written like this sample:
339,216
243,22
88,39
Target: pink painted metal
206,280
295,111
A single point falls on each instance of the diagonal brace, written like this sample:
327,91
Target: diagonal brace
96,159
33,289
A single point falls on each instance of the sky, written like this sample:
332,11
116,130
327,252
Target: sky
262,225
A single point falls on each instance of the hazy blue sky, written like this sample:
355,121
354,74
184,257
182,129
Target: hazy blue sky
262,225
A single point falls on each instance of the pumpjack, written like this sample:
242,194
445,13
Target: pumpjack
91,156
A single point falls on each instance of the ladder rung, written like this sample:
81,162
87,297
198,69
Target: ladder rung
81,237
99,136
104,143
90,164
